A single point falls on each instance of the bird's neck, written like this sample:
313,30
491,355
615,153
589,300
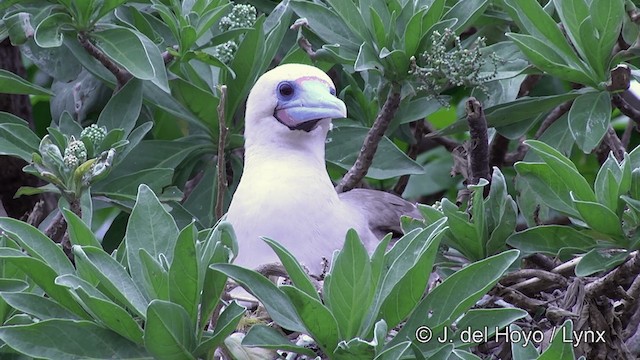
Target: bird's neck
285,155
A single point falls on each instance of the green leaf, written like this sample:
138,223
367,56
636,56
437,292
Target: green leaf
572,13
464,235
43,276
297,275
347,288
395,352
547,59
125,47
389,161
37,245
48,33
11,83
406,279
123,109
326,24
530,17
111,315
113,277
38,306
455,295
318,320
226,323
150,227
513,112
487,321
269,338
79,232
521,349
550,189
595,261
18,140
467,12
274,300
589,119
607,17
185,283
564,169
96,342
600,218
168,334
561,346
551,239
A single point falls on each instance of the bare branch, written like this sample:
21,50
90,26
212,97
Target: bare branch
122,75
222,165
371,141
621,275
625,108
478,142
554,115
614,143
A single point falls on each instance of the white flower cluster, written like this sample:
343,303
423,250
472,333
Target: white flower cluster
75,153
241,16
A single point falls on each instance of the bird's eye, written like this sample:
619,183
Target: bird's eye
285,89
332,91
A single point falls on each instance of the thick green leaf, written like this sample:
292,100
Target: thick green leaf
600,218
79,232
168,333
561,346
111,315
607,17
38,245
531,18
226,323
595,261
589,119
547,59
455,295
464,236
550,189
564,169
345,143
150,227
124,46
123,109
113,277
11,83
38,306
466,12
18,140
348,291
274,300
185,282
522,350
487,321
269,338
84,340
326,24
551,239
44,276
297,275
512,112
319,321
49,33
355,349
395,352
572,13
404,282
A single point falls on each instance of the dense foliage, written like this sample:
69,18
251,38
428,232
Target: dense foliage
512,123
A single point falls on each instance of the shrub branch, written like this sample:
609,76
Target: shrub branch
122,75
222,165
371,141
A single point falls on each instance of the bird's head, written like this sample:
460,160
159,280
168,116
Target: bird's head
292,101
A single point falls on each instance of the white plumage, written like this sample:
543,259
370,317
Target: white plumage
285,192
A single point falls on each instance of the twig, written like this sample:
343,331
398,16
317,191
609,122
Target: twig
222,167
418,133
626,135
516,276
478,142
302,41
447,143
622,274
528,83
554,115
56,228
625,108
620,78
614,143
272,269
371,141
122,75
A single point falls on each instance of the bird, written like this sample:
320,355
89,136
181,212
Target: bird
285,192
